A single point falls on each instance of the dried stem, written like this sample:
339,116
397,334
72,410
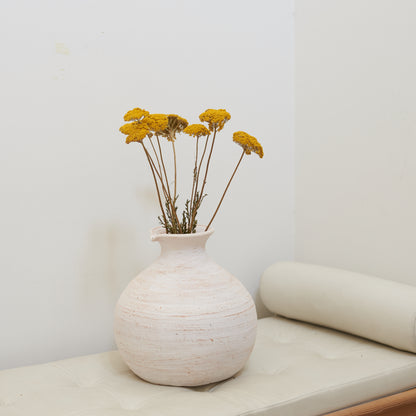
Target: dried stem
151,163
170,201
169,196
200,163
157,157
159,175
163,166
209,159
195,171
232,176
194,202
174,161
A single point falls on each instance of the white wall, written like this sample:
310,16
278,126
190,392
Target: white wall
77,203
355,128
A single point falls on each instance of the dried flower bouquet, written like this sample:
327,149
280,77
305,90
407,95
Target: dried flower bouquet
143,125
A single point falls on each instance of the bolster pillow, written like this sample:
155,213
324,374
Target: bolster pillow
370,307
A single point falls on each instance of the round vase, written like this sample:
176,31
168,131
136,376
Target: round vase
185,321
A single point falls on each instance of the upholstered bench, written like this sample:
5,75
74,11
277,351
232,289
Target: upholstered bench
296,369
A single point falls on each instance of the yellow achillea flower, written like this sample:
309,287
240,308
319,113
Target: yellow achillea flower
196,130
248,143
156,122
135,131
135,115
215,118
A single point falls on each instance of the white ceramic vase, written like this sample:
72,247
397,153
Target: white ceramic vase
185,321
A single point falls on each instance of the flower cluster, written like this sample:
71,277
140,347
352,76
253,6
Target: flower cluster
136,131
143,124
175,125
156,123
135,115
215,118
248,143
197,130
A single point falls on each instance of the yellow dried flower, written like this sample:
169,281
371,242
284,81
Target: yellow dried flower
135,115
156,122
176,122
175,125
136,131
248,143
215,118
196,130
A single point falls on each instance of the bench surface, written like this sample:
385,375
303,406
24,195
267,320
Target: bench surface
295,369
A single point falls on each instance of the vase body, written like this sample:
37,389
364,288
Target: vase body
185,321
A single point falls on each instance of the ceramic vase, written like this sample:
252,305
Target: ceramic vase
185,321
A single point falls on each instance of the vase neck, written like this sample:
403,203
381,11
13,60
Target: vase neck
172,244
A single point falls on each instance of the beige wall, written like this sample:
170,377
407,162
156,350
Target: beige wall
77,204
355,129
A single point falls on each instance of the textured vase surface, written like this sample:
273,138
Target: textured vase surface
185,321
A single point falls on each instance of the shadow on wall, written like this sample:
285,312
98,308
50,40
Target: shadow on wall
111,259
114,254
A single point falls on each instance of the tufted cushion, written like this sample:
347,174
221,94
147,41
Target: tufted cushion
295,369
378,309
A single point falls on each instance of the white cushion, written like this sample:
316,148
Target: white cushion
296,369
374,308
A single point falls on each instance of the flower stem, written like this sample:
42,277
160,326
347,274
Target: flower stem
163,166
159,175
195,171
232,176
174,160
196,203
151,163
169,199
157,157
209,159
200,163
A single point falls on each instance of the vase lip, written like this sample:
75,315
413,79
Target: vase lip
158,233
